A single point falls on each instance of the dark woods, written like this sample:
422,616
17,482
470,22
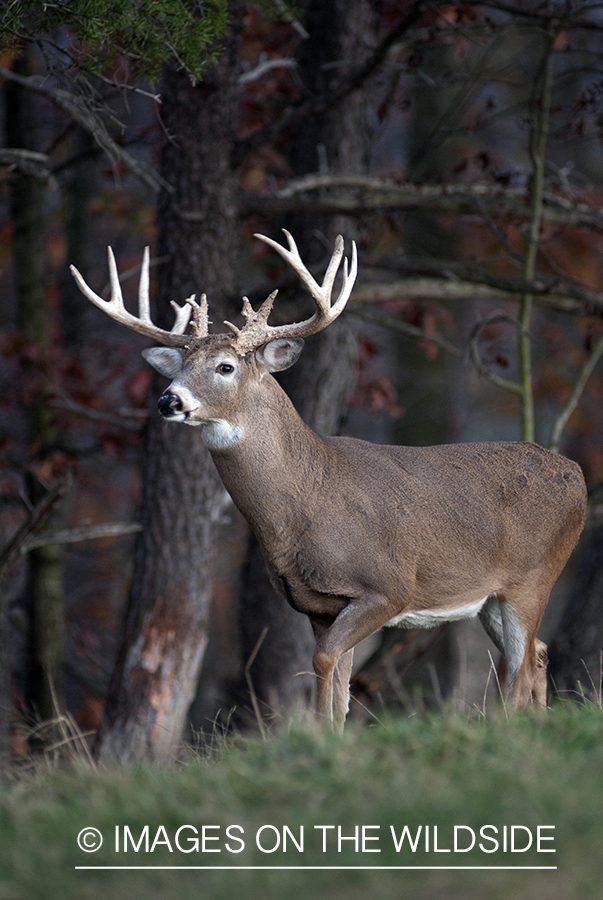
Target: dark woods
460,146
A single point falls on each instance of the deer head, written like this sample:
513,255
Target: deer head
213,374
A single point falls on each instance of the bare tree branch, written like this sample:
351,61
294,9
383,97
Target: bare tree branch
79,533
29,162
404,328
570,294
353,195
425,288
538,140
12,551
506,384
130,419
574,398
81,113
319,104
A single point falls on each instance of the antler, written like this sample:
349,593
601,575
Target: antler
256,331
142,323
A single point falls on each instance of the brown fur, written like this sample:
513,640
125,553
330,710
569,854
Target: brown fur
355,533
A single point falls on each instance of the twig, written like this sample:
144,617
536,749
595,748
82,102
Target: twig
505,383
267,65
12,551
321,103
29,162
498,233
130,419
574,398
288,16
403,328
79,533
91,122
254,700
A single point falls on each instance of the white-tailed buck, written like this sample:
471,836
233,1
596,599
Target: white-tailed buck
357,535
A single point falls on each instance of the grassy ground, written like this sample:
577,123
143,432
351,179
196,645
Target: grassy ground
438,771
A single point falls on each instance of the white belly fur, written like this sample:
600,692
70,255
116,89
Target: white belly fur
430,618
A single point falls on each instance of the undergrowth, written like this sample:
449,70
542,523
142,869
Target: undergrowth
314,799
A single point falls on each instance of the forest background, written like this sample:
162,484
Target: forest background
459,145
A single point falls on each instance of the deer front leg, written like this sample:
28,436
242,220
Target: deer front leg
341,689
333,655
324,674
332,688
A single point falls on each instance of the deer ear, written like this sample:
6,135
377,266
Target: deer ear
279,354
166,360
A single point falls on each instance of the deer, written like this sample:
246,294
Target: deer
356,535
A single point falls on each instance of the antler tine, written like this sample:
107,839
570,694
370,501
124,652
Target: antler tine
321,293
295,261
200,324
329,278
142,324
144,299
325,313
349,279
182,313
256,330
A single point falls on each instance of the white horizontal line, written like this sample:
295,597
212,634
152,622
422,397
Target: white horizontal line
330,868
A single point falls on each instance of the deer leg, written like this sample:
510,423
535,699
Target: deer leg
341,689
527,661
357,621
529,682
524,662
540,665
324,681
333,691
491,619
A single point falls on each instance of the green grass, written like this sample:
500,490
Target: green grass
441,770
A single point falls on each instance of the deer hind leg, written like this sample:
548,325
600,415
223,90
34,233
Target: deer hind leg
526,658
491,619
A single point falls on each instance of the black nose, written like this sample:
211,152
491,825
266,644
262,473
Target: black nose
168,404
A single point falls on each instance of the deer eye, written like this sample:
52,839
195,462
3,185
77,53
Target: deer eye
225,369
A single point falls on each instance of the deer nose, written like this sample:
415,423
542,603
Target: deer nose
169,404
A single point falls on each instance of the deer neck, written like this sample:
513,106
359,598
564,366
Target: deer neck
272,461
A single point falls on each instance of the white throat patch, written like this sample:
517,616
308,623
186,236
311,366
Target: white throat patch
218,434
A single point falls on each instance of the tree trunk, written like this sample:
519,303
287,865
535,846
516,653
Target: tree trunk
167,617
321,383
5,672
45,587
